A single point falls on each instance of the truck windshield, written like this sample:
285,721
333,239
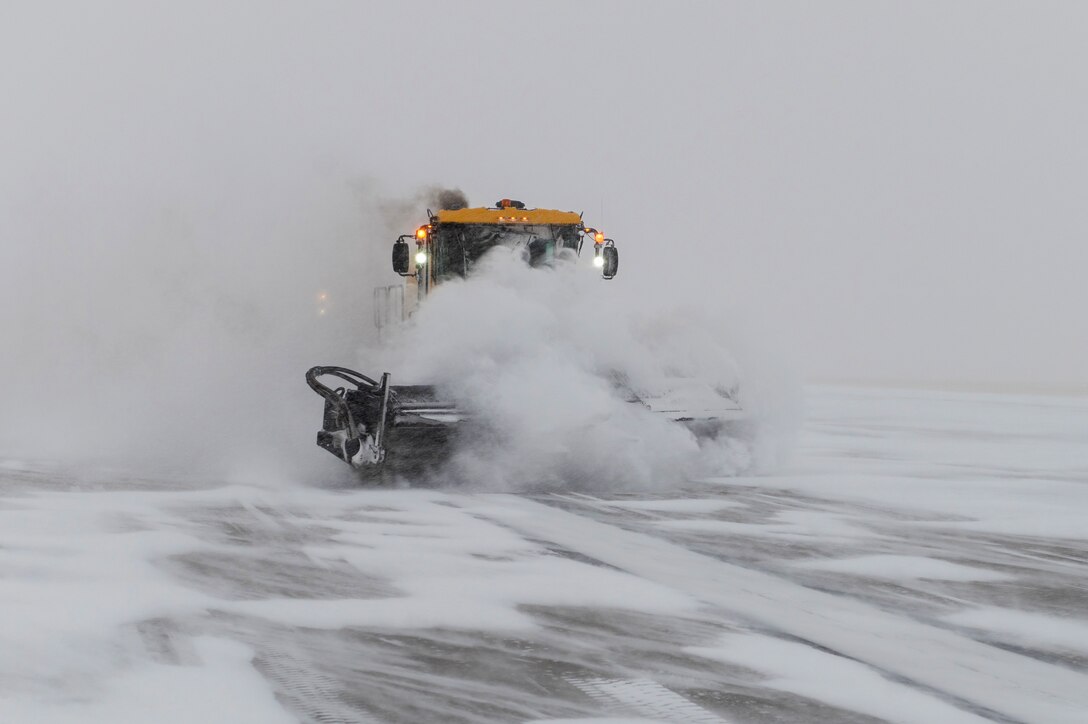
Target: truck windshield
457,247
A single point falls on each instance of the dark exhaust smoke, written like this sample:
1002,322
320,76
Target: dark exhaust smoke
451,199
400,214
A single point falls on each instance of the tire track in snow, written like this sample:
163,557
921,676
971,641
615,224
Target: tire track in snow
979,678
314,697
644,697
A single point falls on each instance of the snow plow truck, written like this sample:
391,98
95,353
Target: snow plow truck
379,428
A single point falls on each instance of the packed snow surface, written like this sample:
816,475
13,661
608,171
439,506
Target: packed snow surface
923,558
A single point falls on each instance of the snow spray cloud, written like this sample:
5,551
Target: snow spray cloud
182,234
533,355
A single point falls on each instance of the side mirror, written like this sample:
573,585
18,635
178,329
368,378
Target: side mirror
611,257
401,257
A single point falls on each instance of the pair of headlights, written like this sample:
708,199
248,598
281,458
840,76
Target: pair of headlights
421,258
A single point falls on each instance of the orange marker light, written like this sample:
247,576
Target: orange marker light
598,238
421,232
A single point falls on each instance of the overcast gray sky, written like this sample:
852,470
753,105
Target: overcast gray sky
893,191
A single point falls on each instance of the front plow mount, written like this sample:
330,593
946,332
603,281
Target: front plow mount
377,427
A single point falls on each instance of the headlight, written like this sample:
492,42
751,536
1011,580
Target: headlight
421,257
598,261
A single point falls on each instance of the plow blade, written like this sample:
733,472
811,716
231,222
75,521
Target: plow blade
685,400
707,412
379,428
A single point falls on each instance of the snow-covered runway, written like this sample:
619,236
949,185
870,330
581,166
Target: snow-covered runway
923,559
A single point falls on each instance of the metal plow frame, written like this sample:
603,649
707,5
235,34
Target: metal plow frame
381,428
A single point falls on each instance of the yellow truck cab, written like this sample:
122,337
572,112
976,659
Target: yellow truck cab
453,240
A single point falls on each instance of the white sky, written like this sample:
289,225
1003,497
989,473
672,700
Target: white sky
892,191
